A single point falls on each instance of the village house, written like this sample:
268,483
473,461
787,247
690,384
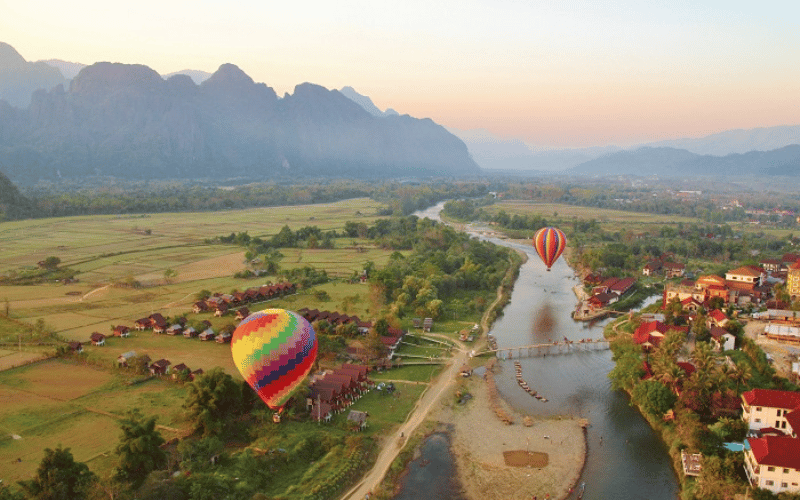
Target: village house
160,367
199,306
123,358
357,419
717,318
208,334
178,369
721,339
650,334
75,347
190,332
321,411
750,275
652,268
223,338
121,331
674,269
242,313
175,329
98,339
771,265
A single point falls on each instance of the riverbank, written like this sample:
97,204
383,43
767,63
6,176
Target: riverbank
479,440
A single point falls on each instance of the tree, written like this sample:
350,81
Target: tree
654,398
7,493
59,477
139,448
169,274
627,364
51,263
213,400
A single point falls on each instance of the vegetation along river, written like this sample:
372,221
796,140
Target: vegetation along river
626,459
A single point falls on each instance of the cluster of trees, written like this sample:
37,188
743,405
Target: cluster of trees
445,266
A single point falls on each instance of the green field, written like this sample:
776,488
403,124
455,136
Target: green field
109,249
61,402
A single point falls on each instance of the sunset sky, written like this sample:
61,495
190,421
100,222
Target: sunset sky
552,73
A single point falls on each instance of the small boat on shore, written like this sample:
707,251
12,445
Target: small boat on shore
580,492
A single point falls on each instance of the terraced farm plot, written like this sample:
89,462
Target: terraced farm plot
56,380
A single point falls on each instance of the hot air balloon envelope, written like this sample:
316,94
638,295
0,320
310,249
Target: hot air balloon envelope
549,243
274,350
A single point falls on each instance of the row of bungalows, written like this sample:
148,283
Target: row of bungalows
221,303
333,318
159,367
335,390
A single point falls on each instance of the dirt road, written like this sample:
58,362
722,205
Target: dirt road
392,444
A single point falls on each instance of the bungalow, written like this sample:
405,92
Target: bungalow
190,333
123,358
208,335
160,367
242,313
196,373
691,304
75,347
175,329
652,267
674,269
717,318
328,395
98,339
223,338
650,334
160,328
622,286
427,324
143,324
721,339
601,300
357,419
771,265
321,411
763,408
220,309
121,331
178,369
199,307
157,319
773,463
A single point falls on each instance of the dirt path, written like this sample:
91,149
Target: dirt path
92,292
393,443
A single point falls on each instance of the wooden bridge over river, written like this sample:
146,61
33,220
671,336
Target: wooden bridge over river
533,350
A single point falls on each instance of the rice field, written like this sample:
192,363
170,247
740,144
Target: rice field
59,402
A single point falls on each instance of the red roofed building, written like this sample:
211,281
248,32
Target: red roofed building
717,318
651,333
773,463
769,408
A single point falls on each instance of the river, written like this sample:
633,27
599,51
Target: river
626,458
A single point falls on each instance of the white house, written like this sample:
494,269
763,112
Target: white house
773,463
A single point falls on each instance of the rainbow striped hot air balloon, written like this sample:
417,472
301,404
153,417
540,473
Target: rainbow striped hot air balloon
274,350
549,242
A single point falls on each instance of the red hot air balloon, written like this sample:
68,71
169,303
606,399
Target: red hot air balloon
549,242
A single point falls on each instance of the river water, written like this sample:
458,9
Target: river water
626,459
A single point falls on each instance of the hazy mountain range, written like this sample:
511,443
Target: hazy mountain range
127,121
69,119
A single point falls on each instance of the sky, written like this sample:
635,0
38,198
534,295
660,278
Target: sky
560,73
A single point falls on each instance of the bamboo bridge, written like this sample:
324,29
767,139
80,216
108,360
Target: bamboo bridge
532,350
